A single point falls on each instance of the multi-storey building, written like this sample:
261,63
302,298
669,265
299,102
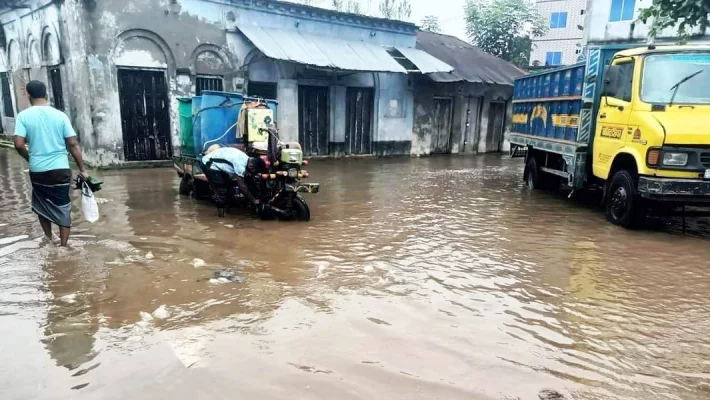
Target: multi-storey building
563,42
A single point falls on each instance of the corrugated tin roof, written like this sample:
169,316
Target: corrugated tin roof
470,63
321,51
425,62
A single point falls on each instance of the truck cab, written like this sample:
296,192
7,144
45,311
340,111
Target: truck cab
651,142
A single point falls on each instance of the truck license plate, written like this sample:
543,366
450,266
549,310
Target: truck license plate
707,174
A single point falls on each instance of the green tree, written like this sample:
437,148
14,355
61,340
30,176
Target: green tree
430,23
520,53
396,9
686,14
504,27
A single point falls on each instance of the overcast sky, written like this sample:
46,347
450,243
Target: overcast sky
450,13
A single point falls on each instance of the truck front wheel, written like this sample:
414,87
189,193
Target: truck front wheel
623,205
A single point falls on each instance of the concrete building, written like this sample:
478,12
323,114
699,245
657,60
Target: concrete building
467,110
345,83
614,21
562,44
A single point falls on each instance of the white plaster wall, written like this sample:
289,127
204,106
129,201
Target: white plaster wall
560,39
568,47
575,17
287,90
394,108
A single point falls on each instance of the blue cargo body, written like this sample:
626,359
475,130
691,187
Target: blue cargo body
548,104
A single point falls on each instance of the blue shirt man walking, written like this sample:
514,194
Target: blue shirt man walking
50,136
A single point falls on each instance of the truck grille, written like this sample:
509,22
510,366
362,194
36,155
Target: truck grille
705,159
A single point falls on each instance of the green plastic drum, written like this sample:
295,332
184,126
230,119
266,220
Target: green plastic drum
187,142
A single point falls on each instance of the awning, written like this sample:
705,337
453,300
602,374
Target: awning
425,62
347,55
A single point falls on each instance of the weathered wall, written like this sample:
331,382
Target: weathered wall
175,37
148,34
92,40
33,38
469,125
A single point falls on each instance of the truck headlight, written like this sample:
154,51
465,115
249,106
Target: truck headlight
293,173
675,159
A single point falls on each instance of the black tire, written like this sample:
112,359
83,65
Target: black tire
185,186
532,174
301,212
623,205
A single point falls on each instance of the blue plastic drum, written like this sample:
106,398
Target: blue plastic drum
219,114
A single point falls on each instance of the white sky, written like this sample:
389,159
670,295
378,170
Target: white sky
450,13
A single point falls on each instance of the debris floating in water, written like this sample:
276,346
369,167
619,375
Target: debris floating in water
149,256
161,312
197,263
226,275
146,317
70,298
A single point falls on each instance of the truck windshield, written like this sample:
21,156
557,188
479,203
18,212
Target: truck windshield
676,78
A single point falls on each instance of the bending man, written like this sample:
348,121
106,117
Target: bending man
236,165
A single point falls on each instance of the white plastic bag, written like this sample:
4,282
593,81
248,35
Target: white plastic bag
88,204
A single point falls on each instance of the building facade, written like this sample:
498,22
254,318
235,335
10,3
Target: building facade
562,44
615,21
468,110
345,83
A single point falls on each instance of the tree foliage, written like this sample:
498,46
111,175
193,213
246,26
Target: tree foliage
504,28
430,23
686,14
396,9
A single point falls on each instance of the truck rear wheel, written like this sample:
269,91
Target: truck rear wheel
536,178
623,205
532,174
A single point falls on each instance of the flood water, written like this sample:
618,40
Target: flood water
436,278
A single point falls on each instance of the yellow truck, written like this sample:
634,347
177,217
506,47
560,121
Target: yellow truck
632,121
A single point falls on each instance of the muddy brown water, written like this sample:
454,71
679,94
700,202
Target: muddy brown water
416,279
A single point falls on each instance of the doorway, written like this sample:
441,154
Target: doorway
313,119
441,135
55,83
496,122
145,115
358,121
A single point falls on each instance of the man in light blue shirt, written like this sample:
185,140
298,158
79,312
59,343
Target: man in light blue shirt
50,136
234,163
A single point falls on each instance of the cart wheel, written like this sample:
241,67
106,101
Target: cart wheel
301,212
185,186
